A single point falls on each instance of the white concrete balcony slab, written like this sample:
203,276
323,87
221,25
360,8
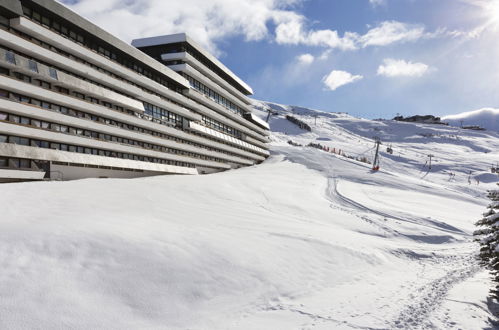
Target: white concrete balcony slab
38,92
31,111
71,82
17,151
40,134
259,121
38,52
13,174
200,129
189,70
224,119
182,37
44,34
189,59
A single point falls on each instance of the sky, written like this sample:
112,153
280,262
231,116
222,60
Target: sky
370,58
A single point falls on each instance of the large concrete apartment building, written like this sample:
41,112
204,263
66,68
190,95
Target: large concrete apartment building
77,102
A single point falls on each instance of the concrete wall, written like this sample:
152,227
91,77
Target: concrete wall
61,172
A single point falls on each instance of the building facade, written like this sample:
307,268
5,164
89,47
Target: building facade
77,102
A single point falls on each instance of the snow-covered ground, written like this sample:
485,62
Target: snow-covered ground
307,240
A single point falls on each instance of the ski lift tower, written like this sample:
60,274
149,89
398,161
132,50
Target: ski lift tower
268,116
377,142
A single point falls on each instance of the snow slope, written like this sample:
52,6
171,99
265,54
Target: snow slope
487,118
307,240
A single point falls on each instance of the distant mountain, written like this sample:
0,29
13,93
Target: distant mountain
487,118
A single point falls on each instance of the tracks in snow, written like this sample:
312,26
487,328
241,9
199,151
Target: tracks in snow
426,299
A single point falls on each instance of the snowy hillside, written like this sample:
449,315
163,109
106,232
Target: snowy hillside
308,240
487,118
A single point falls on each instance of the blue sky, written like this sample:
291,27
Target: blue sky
371,58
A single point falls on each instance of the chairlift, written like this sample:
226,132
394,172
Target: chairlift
389,149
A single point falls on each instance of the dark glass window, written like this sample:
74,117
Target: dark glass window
37,17
4,162
3,138
24,163
14,162
33,66
19,140
14,118
10,57
53,73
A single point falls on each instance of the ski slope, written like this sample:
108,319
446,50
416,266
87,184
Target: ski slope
306,240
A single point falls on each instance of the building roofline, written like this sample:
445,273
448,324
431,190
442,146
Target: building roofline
183,37
71,16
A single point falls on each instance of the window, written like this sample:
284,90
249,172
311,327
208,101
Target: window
14,119
19,140
3,138
53,74
62,90
24,121
10,57
3,116
22,77
79,95
4,162
56,26
33,66
24,163
14,162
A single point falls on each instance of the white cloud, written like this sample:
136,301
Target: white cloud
336,79
208,22
306,59
390,32
377,2
294,32
291,31
401,68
